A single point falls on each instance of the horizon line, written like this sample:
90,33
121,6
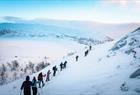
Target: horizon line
20,19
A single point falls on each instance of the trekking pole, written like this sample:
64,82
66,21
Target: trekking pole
20,92
38,91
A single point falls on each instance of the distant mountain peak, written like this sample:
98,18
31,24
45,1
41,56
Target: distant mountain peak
12,19
137,29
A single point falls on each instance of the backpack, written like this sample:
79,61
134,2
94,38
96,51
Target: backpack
40,76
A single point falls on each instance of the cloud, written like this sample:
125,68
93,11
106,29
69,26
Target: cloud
123,3
10,18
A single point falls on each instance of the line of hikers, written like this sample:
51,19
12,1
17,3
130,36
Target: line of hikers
85,54
27,84
63,65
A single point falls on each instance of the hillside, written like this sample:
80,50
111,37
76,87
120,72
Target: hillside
130,44
105,71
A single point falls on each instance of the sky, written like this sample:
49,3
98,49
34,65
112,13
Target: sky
106,11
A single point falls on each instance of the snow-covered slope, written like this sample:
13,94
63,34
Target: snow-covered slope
23,57
129,44
105,71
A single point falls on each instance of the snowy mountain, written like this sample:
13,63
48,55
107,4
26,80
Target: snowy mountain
48,27
31,30
28,46
106,70
130,44
45,32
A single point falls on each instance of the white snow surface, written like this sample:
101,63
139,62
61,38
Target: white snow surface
35,50
100,73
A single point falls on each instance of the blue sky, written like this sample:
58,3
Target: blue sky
107,11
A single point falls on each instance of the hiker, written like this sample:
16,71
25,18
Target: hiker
90,47
26,85
134,52
86,52
54,70
48,75
65,64
61,66
40,79
77,57
34,86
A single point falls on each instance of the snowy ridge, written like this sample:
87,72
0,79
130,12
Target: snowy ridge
33,31
28,30
129,44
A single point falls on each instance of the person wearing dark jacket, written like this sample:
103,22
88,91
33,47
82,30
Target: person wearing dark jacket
86,52
40,79
48,75
26,85
90,47
77,57
54,70
61,66
65,64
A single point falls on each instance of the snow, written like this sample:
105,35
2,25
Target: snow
36,49
32,29
88,76
105,70
31,48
